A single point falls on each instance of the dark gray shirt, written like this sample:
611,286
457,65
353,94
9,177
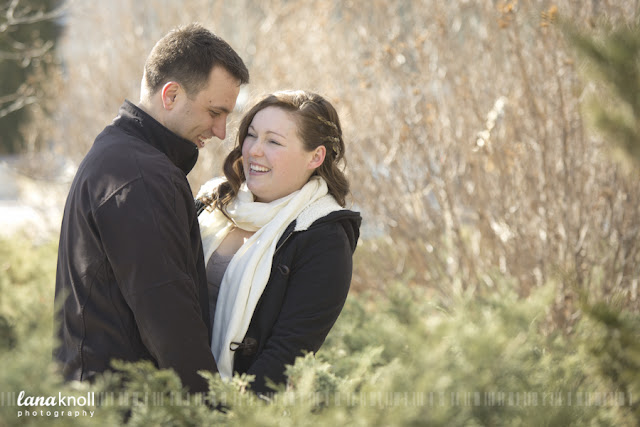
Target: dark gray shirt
216,267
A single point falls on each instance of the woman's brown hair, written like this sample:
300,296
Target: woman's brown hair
317,123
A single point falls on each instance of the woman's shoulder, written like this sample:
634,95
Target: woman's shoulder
328,220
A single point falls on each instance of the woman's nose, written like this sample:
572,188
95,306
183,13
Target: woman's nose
256,148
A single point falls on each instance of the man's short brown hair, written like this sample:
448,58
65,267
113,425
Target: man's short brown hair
187,55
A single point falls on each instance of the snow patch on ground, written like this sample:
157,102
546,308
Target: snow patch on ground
29,206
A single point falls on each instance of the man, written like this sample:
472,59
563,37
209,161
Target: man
131,281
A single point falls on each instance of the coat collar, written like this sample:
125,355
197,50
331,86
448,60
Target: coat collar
182,152
325,210
316,210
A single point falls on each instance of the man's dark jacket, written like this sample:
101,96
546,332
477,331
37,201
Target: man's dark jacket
130,281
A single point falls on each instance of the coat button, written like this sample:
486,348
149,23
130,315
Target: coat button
250,346
284,269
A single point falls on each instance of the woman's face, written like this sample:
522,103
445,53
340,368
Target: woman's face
273,157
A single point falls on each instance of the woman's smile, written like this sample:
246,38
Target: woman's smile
256,169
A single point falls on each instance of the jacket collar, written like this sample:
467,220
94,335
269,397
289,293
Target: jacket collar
133,120
324,210
316,210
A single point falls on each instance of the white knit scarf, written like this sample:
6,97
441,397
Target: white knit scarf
249,270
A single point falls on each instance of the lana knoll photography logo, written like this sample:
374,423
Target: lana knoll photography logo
55,406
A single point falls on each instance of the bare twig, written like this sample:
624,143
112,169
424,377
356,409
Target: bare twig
27,16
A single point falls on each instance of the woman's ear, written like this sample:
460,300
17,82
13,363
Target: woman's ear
318,157
169,94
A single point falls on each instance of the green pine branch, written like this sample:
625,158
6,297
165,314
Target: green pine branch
612,60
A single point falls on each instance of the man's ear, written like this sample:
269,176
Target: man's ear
318,157
169,93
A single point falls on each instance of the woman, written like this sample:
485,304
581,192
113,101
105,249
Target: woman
277,240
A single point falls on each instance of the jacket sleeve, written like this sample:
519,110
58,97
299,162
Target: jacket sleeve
147,234
318,284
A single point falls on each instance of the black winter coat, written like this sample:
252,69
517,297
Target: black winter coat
307,288
130,281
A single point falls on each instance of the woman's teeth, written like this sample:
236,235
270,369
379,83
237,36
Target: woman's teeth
256,168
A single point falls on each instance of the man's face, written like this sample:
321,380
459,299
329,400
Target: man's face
204,115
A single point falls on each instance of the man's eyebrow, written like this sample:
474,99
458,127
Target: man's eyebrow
216,109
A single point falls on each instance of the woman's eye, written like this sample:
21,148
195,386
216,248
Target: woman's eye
274,142
250,135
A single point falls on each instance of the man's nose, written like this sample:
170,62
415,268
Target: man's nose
219,129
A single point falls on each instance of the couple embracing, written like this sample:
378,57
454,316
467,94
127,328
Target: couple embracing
247,278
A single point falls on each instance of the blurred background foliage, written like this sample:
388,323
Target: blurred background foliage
29,31
493,151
